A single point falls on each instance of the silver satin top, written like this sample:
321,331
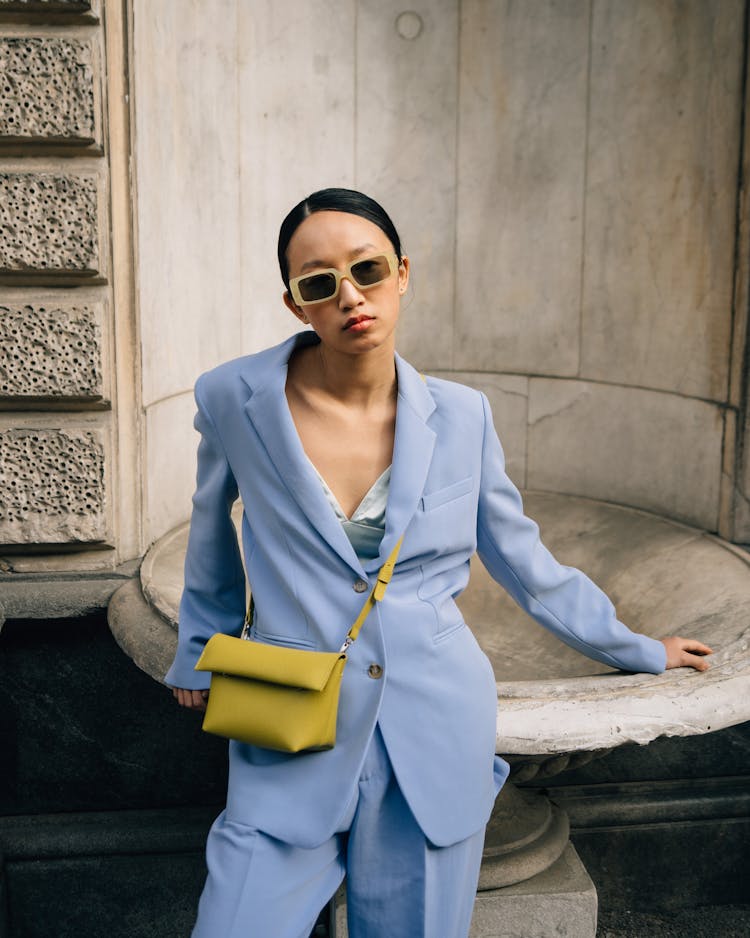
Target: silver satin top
366,526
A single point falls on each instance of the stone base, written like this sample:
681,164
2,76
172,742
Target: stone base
3,901
561,901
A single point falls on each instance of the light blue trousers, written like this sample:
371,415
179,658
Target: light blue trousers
398,885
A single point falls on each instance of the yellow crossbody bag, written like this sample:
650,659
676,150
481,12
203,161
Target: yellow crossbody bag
277,697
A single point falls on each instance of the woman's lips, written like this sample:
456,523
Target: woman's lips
357,323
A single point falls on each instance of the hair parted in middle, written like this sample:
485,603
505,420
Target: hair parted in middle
334,200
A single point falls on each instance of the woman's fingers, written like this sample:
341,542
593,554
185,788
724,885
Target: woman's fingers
192,699
686,653
690,644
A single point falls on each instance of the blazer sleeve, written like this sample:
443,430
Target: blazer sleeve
213,598
562,599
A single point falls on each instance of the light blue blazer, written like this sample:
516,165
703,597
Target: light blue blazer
436,701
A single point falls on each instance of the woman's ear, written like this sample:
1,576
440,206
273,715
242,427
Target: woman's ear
403,274
297,310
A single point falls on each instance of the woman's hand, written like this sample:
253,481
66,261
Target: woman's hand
686,653
192,699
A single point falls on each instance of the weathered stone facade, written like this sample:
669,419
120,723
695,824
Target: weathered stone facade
55,311
51,486
47,90
50,353
46,6
49,223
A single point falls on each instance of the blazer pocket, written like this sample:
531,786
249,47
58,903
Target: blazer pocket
448,631
291,641
447,494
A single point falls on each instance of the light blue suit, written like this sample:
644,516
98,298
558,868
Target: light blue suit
436,700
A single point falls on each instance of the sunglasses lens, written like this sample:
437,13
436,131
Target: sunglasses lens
317,287
371,271
323,286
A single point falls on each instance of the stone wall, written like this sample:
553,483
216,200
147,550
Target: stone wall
51,352
596,235
56,422
48,90
45,7
565,179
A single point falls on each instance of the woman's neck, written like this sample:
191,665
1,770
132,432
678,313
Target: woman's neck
358,380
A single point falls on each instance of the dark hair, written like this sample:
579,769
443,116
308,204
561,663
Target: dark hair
334,200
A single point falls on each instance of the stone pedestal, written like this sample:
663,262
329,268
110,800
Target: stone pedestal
3,905
525,835
561,901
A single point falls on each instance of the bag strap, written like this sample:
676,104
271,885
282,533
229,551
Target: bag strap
376,594
378,591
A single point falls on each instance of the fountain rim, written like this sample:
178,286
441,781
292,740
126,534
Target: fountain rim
557,716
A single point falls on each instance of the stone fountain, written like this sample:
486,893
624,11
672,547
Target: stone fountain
556,708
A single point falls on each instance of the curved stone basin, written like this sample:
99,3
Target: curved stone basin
664,578
556,708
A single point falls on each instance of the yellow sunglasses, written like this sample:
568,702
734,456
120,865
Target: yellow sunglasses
324,284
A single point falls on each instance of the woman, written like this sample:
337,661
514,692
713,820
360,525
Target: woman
316,436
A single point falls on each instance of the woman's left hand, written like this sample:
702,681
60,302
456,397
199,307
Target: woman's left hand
686,653
192,699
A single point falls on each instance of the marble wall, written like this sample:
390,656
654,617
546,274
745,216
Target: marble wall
565,179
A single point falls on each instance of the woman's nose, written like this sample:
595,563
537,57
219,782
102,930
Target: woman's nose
349,295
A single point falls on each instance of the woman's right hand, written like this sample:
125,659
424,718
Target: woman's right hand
686,653
192,699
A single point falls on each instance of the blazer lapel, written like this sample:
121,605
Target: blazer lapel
413,446
412,453
269,414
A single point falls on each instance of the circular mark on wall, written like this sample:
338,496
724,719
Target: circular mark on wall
409,24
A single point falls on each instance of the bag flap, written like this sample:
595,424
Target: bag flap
276,664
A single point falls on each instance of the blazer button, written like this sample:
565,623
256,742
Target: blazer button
360,586
375,671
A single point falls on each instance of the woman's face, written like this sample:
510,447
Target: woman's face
355,320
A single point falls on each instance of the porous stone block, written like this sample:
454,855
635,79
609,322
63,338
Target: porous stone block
47,90
48,224
52,486
50,352
46,6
